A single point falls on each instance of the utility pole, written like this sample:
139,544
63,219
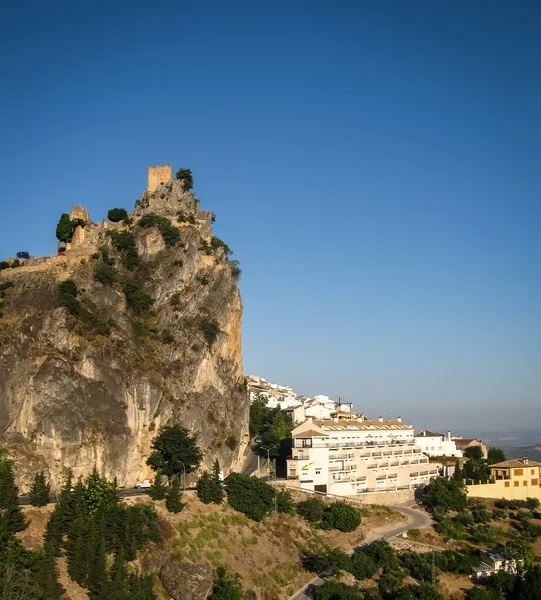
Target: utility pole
268,458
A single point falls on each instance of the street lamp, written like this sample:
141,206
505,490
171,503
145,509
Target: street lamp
268,449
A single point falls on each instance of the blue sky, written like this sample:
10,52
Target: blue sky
375,167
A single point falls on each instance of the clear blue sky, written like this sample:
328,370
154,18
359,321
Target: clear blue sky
374,165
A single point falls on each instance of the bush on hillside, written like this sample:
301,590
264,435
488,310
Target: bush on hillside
312,510
117,214
341,516
186,176
249,495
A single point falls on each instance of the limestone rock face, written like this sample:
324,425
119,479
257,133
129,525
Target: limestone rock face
78,394
187,581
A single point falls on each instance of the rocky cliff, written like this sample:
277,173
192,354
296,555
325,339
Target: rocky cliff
88,382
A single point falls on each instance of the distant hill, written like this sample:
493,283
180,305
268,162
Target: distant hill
531,452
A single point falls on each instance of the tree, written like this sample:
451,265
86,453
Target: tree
382,553
284,502
158,490
335,590
249,495
521,551
23,255
209,487
117,214
328,563
342,516
186,176
174,451
64,228
11,516
40,490
173,499
528,587
474,453
495,455
312,509
445,494
258,413
226,586
362,566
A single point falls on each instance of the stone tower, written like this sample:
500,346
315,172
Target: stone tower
158,175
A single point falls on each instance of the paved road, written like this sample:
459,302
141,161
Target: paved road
416,519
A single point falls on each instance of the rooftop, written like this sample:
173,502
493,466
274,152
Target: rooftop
359,425
515,463
426,433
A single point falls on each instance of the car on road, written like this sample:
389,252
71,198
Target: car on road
145,484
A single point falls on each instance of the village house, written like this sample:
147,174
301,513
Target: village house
437,444
515,479
492,561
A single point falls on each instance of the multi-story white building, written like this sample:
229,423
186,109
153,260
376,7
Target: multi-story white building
437,444
350,457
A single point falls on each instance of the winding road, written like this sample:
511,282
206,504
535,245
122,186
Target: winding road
416,520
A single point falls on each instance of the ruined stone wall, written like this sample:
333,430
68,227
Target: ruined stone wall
157,175
78,212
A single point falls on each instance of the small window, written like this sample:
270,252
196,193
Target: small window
506,484
518,472
524,483
318,471
535,481
533,472
516,483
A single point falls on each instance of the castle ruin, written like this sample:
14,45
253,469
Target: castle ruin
158,175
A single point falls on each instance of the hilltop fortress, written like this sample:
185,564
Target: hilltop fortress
89,383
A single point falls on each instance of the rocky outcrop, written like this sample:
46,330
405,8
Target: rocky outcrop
78,392
187,581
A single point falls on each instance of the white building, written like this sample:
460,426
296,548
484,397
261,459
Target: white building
437,444
357,456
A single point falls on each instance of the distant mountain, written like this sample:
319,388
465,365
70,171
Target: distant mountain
531,452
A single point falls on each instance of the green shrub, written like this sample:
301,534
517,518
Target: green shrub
202,279
124,242
104,274
382,553
216,243
236,271
117,214
68,297
183,218
4,265
186,176
361,566
136,299
249,495
341,516
170,234
328,563
231,442
312,510
284,502
210,329
68,287
335,590
205,247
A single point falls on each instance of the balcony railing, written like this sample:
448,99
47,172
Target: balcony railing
343,468
354,444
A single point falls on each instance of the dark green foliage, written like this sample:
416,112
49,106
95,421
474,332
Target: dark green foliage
528,587
446,494
390,581
4,265
209,487
474,453
361,566
382,553
68,287
158,489
216,243
275,433
312,509
173,499
117,214
205,247
124,243
530,503
170,234
183,218
334,590
284,502
479,593
327,564
23,255
258,413
40,490
16,263
249,495
11,516
104,274
236,271
210,329
186,176
226,586
64,228
202,279
137,300
231,442
495,455
342,516
172,448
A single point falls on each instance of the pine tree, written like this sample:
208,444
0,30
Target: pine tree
97,567
158,489
205,488
40,490
11,516
118,587
48,573
173,500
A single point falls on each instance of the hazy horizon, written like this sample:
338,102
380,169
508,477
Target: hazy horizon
373,166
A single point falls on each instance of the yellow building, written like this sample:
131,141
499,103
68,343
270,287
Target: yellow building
515,479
